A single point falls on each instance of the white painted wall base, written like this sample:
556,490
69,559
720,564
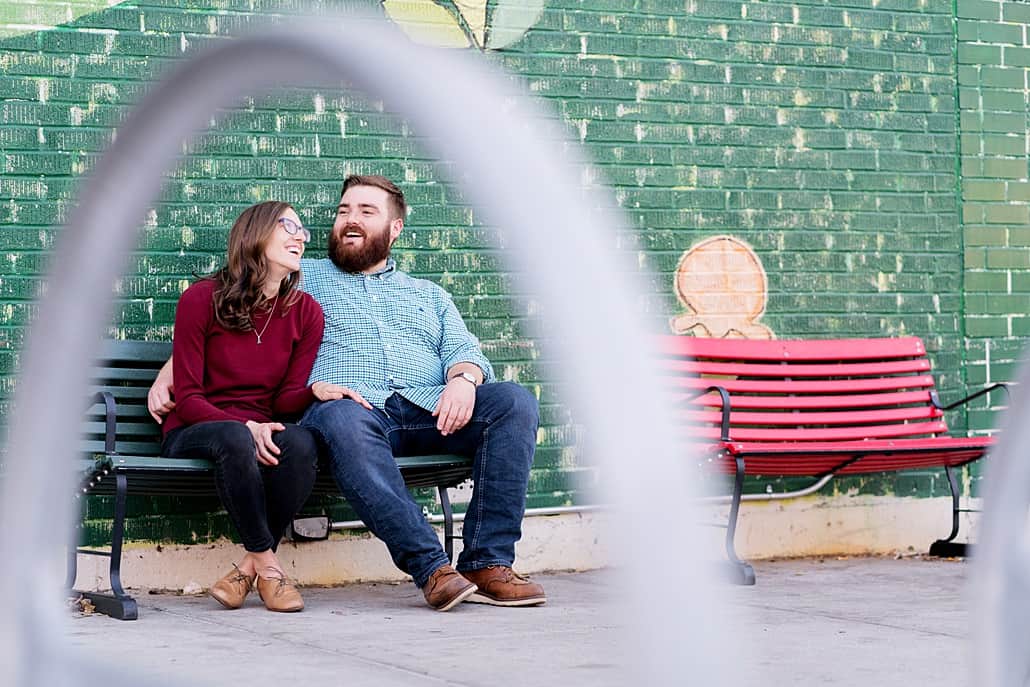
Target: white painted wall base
842,525
815,525
562,542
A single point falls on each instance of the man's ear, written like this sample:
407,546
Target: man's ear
395,229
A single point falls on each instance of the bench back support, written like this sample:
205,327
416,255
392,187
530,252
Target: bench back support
797,391
125,371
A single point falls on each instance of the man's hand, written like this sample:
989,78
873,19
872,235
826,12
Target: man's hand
159,397
263,444
324,391
454,409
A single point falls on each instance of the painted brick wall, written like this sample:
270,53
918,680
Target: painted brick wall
993,58
824,134
821,133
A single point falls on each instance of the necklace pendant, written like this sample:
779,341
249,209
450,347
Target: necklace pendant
271,311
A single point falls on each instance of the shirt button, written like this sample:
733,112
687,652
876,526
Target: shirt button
386,346
374,298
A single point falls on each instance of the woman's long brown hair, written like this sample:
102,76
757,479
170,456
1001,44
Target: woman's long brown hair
238,289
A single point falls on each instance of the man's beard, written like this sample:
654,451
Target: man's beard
376,248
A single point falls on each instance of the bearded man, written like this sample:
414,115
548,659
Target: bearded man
410,379
424,387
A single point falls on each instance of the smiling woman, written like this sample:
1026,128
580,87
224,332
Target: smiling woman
245,341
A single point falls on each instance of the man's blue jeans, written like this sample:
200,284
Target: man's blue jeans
501,437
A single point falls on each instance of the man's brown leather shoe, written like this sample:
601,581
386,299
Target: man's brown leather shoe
231,591
279,594
445,589
499,585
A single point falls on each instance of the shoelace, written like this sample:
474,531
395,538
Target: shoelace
240,578
510,575
282,582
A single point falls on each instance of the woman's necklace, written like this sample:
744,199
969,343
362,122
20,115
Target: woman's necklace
271,312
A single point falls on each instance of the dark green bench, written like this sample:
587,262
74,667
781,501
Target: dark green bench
120,455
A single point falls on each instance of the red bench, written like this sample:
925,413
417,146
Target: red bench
815,408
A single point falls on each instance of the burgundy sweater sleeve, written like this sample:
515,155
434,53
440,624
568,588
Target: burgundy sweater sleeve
193,317
294,395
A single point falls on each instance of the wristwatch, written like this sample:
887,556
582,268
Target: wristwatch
467,376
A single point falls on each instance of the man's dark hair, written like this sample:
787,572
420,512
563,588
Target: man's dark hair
398,206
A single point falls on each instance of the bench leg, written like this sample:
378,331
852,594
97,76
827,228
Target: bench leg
117,604
740,571
72,568
448,522
948,548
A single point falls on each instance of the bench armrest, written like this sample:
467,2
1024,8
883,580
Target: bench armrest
724,429
110,418
936,401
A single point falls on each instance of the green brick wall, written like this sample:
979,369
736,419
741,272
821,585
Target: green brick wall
872,152
993,59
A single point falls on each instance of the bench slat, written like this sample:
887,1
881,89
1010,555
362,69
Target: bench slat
822,434
135,429
137,375
849,386
810,402
153,475
136,353
788,349
803,459
130,394
809,465
780,370
144,448
787,418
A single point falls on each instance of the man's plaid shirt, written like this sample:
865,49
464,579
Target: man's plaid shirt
388,332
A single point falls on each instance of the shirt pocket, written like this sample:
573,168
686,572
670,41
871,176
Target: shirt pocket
422,326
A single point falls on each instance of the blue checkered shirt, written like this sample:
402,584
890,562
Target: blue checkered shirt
388,333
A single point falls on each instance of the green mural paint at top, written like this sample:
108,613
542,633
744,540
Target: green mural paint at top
25,17
486,24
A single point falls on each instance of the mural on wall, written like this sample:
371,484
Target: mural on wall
26,17
484,24
722,284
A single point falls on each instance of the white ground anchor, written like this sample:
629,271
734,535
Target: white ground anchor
515,169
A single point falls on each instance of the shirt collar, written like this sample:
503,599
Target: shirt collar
388,271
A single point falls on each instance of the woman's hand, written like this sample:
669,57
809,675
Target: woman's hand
266,448
324,391
159,396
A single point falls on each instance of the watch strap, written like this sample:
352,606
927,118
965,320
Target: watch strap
466,376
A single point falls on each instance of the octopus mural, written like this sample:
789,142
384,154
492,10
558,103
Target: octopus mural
722,284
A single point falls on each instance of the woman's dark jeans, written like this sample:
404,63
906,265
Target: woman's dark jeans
261,499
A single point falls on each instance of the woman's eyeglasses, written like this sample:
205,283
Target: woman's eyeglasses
292,228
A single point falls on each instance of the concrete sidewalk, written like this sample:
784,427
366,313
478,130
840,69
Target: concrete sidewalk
856,621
